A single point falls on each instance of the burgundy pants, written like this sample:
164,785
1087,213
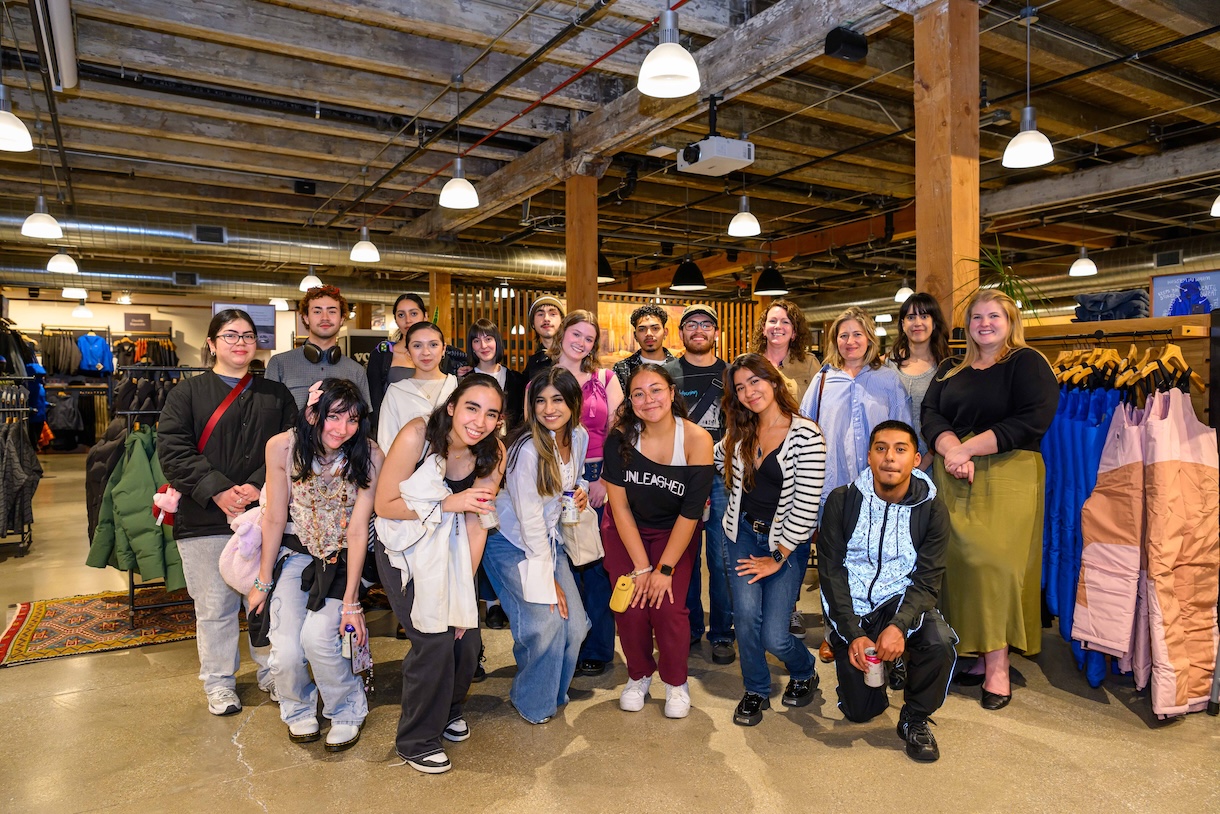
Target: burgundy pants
670,623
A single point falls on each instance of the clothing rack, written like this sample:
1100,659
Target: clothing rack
26,538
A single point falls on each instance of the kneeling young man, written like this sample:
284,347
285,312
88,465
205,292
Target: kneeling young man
881,556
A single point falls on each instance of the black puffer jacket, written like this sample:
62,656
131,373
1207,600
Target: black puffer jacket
235,453
99,463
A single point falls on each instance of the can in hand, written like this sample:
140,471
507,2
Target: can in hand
491,519
571,515
874,676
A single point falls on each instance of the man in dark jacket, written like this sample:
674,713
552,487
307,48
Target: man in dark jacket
881,557
545,314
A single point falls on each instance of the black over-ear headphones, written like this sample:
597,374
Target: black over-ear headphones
316,355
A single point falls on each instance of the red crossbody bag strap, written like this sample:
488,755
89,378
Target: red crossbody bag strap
237,390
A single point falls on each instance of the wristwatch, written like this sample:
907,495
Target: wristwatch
666,570
778,557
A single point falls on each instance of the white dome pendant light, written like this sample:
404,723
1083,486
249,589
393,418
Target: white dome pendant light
744,224
458,193
669,71
1029,147
1083,267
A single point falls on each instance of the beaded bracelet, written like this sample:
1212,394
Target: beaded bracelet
263,587
353,613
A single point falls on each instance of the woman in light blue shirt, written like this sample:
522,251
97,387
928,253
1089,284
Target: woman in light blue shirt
851,394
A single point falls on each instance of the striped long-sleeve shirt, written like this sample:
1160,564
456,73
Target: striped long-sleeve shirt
802,459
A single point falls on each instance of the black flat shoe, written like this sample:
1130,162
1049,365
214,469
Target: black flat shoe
964,679
497,619
590,667
994,701
749,711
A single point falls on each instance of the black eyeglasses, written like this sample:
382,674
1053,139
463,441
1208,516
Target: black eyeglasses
231,338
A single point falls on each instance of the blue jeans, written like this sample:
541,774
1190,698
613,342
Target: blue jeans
593,583
545,645
720,620
762,611
218,636
303,640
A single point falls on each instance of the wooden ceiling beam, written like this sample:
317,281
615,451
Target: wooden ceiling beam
1180,16
766,46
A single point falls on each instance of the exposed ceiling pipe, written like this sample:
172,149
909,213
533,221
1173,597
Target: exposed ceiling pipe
152,238
1117,269
160,279
56,45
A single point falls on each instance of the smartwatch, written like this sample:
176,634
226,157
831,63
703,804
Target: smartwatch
777,556
666,570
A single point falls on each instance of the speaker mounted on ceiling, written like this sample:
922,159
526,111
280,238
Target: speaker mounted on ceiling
845,44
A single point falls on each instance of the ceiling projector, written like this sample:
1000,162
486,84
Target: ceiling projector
716,155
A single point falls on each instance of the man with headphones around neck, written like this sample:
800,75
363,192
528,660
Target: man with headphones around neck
323,310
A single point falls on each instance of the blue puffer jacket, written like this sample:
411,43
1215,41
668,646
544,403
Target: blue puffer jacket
95,355
870,551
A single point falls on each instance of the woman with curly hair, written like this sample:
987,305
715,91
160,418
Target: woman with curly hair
783,337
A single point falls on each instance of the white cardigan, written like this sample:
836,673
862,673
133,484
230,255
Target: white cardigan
403,403
434,551
530,521
802,459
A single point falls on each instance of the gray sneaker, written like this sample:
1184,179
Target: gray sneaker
223,701
269,688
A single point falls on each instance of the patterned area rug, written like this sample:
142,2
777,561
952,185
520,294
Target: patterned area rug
95,623
47,629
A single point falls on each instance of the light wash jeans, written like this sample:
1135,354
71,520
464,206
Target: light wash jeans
545,645
761,612
302,640
217,632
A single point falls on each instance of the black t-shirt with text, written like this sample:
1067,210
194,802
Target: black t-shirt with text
657,494
694,384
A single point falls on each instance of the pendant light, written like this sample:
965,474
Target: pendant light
688,277
604,273
364,251
1216,207
744,224
14,135
669,71
904,293
881,331
63,263
1083,267
279,303
883,318
770,282
41,224
1029,147
82,311
458,193
124,298
73,293
312,280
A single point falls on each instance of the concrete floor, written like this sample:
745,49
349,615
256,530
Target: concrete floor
129,731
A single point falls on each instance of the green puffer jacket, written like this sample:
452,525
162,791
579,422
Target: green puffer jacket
127,536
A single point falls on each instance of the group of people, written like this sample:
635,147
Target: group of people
450,478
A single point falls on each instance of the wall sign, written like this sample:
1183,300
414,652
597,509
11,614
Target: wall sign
1176,295
137,322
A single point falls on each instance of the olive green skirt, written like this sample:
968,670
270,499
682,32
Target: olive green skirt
991,593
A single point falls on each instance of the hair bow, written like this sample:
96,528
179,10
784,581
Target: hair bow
315,393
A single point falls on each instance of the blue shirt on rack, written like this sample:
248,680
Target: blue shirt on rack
95,355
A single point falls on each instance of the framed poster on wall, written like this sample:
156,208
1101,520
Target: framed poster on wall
1177,295
264,320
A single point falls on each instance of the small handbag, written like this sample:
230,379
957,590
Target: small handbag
259,621
624,589
583,540
240,559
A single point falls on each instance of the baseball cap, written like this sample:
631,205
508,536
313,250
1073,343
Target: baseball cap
693,310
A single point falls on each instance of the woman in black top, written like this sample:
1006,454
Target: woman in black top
985,417
658,473
218,480
392,353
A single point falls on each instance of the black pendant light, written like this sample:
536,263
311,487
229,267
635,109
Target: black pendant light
770,282
604,272
688,277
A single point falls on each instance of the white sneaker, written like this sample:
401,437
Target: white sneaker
677,700
435,763
223,701
342,736
456,730
635,694
269,688
304,731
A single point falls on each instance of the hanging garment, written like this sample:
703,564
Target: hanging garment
100,462
20,474
1182,488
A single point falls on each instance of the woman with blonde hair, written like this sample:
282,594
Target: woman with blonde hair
985,417
784,338
576,348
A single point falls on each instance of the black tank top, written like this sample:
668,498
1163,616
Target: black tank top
455,486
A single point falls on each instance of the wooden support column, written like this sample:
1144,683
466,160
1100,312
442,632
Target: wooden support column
581,242
440,299
364,316
947,151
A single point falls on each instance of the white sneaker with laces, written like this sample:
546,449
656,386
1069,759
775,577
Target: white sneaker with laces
635,694
456,730
677,700
269,688
223,701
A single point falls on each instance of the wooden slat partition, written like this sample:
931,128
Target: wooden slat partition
472,302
